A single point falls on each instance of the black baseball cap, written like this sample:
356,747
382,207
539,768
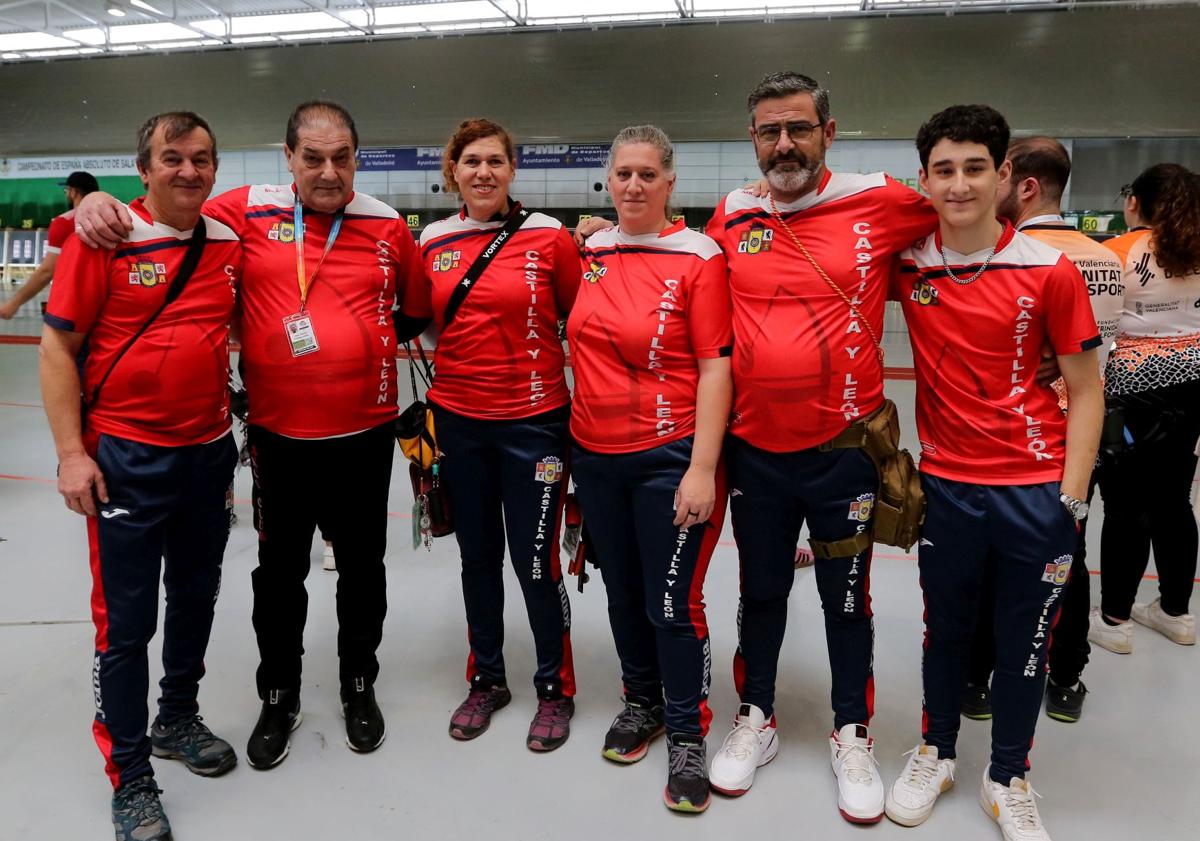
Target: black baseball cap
84,182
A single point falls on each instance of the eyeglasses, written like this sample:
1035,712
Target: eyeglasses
769,133
1126,191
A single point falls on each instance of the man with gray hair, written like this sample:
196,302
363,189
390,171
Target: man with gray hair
808,270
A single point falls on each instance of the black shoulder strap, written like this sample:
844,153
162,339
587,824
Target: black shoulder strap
516,218
191,259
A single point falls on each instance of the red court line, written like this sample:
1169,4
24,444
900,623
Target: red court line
20,340
28,479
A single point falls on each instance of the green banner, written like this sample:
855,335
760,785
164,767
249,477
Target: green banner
33,202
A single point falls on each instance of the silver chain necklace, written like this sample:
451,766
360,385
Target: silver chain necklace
966,281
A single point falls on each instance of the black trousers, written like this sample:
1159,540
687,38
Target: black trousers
1146,502
164,503
343,484
1069,648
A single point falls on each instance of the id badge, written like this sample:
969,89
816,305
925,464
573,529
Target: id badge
300,335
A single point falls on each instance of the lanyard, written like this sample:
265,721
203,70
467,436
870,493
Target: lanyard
303,280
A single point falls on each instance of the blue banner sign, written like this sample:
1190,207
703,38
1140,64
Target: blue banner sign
529,156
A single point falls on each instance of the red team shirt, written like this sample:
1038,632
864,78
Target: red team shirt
349,384
649,307
170,388
981,416
804,367
501,357
60,230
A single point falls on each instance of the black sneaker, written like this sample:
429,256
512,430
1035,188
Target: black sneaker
137,813
1065,703
977,702
193,744
632,731
365,729
687,774
270,742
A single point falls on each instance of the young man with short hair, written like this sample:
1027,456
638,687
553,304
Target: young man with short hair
1004,472
1031,199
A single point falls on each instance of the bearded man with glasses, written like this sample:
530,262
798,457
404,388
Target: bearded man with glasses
808,270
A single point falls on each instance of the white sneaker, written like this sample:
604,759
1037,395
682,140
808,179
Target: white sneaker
1179,629
860,788
752,743
1013,807
328,562
910,799
1116,638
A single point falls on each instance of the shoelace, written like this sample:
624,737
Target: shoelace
687,760
142,803
479,701
551,713
743,739
921,770
1023,806
857,761
631,719
193,733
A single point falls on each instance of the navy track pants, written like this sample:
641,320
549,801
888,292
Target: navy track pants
1033,538
165,503
653,574
771,496
509,477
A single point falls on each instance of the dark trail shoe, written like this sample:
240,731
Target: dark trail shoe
137,813
193,744
687,776
475,713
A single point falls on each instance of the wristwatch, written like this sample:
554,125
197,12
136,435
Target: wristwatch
1077,507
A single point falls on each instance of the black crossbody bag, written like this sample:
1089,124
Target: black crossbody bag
191,259
414,429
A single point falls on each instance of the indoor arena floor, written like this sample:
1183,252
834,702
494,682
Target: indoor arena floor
1127,770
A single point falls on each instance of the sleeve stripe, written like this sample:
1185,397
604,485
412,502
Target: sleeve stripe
1093,342
64,324
726,351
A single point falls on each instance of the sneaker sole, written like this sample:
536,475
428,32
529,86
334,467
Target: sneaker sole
977,716
634,755
539,746
223,768
287,747
1188,639
1115,648
685,807
916,819
1065,718
732,791
860,820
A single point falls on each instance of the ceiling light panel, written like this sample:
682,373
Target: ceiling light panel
144,33
297,22
417,14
